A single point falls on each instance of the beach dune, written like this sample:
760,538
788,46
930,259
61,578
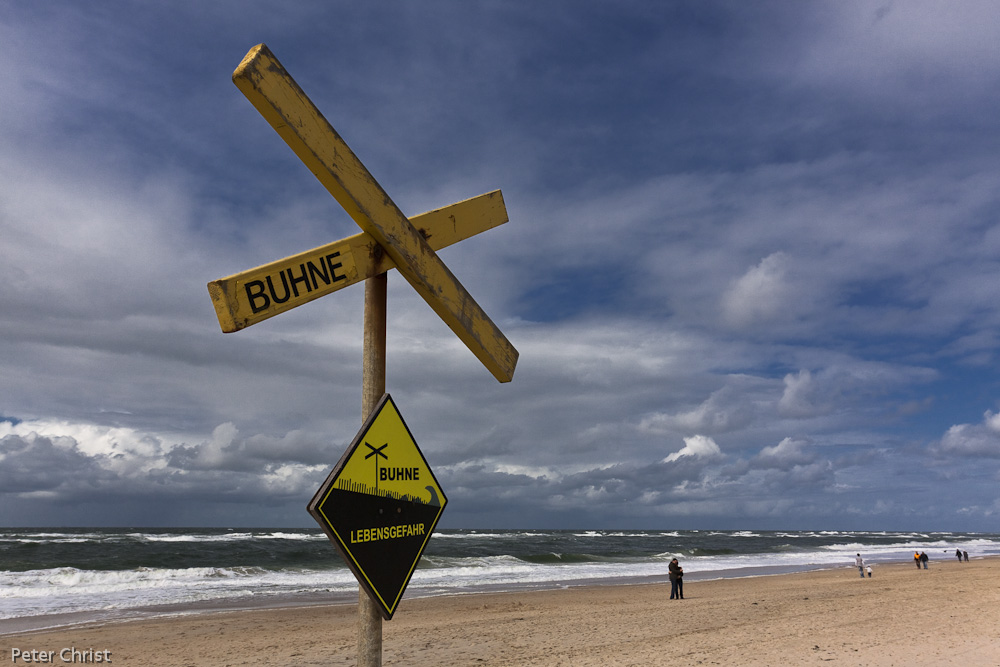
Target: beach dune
945,615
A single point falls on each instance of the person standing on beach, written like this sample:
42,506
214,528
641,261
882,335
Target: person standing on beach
860,562
966,554
958,553
923,559
916,559
869,571
676,580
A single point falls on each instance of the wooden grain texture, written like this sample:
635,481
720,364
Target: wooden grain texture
312,138
356,256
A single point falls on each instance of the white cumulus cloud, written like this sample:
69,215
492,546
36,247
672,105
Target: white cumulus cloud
760,294
974,440
697,446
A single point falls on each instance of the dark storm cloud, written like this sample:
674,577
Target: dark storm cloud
44,466
749,265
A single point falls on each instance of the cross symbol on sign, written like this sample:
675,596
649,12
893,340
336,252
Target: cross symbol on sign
284,105
376,452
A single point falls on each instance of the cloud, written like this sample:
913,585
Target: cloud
113,463
801,398
727,409
789,237
845,384
37,466
762,294
227,451
972,440
898,50
788,453
697,446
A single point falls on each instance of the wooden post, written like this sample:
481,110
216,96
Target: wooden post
296,119
372,388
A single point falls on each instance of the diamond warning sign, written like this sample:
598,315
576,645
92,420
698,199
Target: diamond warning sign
380,504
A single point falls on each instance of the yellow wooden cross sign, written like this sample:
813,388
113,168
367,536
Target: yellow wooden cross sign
257,294
249,297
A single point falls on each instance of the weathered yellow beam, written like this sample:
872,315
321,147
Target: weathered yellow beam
297,120
257,294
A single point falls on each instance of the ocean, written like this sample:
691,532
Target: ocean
54,577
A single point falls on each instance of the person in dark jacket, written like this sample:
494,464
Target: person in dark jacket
676,580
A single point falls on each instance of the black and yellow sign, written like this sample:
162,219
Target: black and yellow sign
380,504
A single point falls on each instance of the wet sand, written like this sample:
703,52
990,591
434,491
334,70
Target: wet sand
948,614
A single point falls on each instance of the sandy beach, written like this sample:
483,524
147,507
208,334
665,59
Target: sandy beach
948,614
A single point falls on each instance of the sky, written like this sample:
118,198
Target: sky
751,267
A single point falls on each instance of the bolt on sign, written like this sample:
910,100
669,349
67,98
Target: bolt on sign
380,504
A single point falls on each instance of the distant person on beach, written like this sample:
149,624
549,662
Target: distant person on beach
966,554
869,571
924,558
860,562
958,552
916,559
676,580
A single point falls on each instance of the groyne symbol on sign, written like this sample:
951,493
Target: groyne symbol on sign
376,452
